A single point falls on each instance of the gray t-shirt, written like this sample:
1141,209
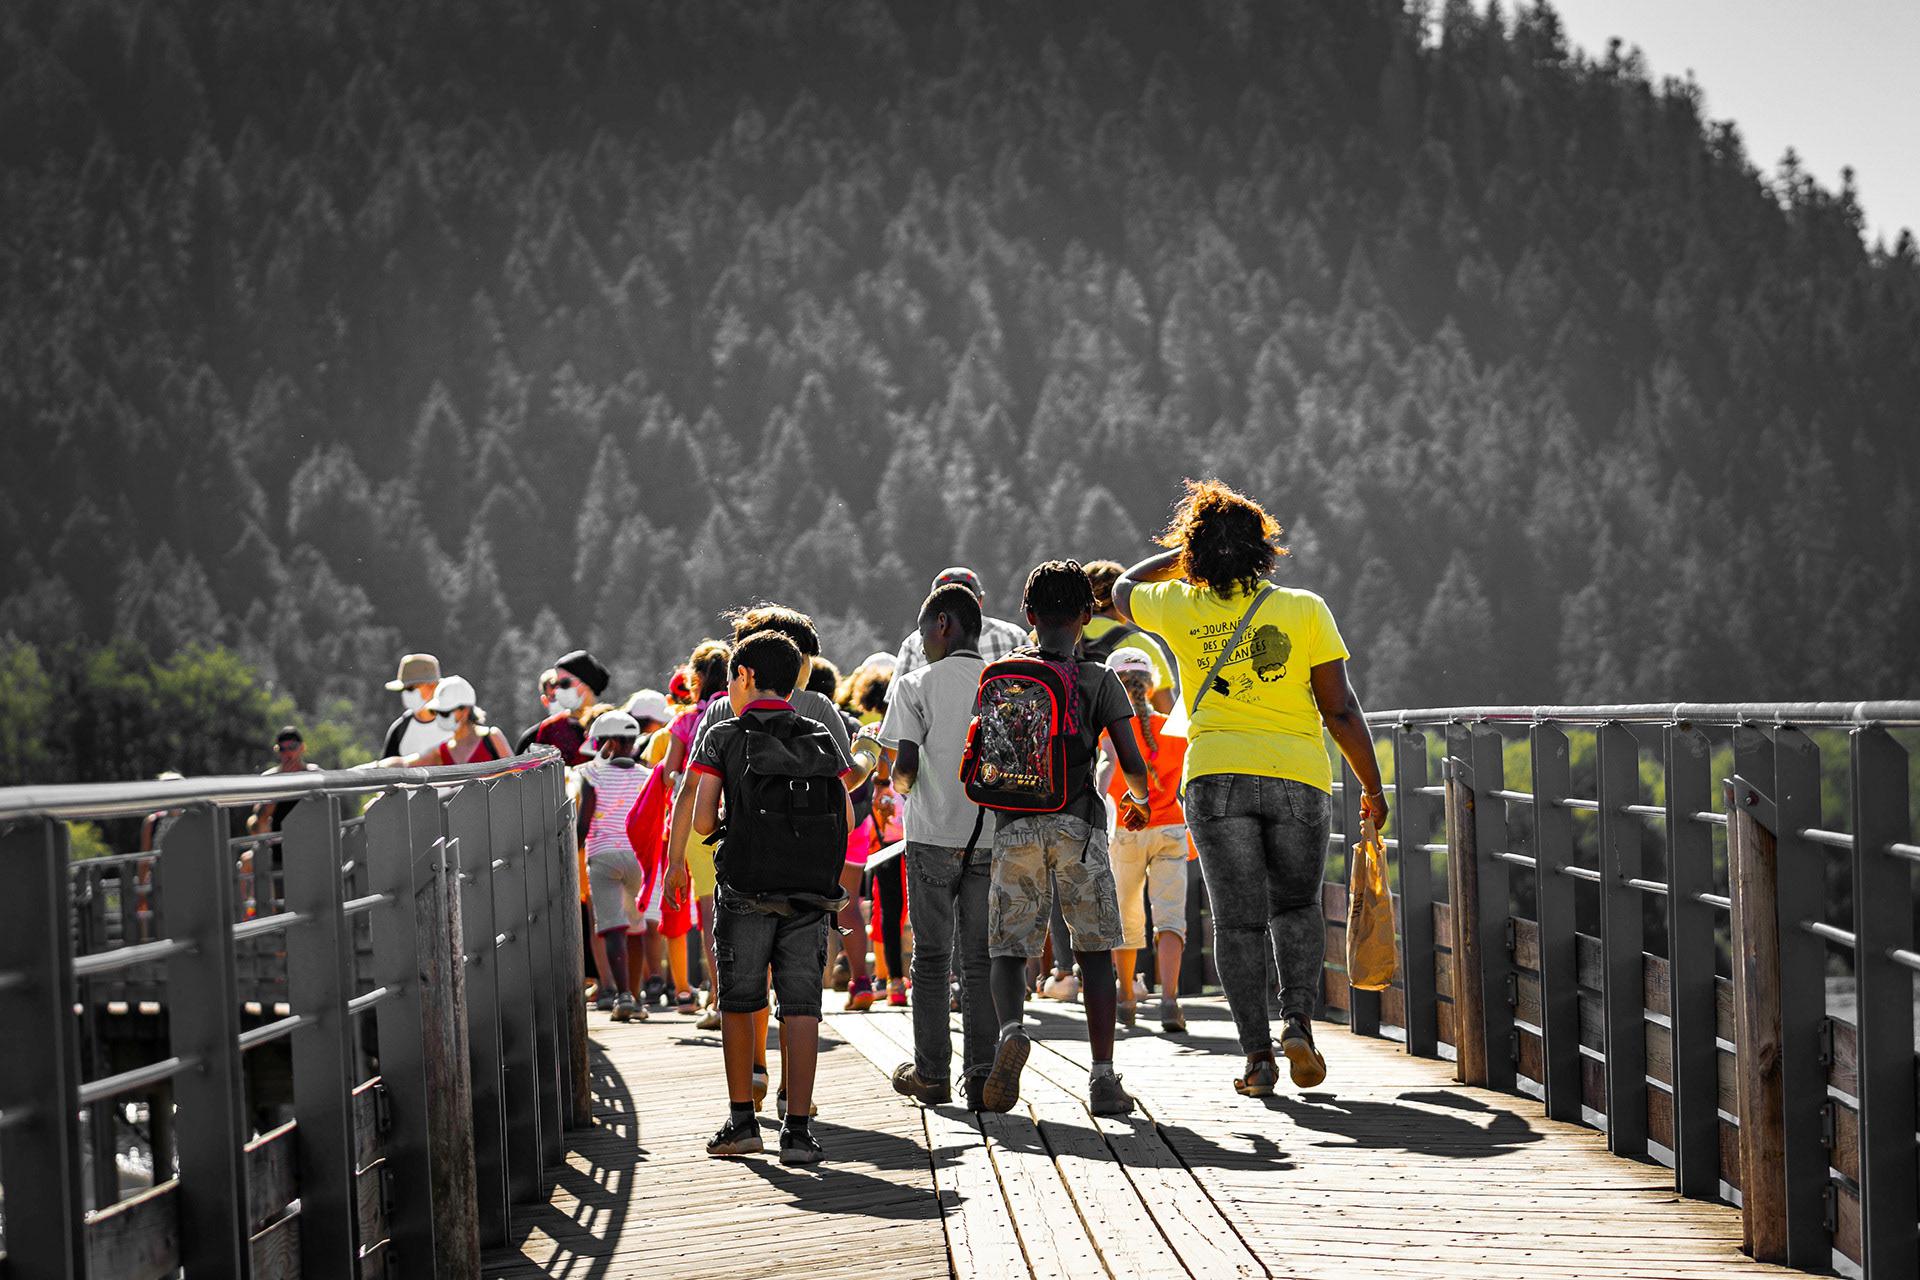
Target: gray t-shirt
813,706
932,707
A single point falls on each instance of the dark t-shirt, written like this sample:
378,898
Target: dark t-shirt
1103,704
561,732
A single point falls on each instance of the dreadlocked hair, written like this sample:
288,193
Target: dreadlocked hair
1138,685
1058,592
1226,540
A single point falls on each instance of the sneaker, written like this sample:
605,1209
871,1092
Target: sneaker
1002,1091
976,1091
860,996
1140,988
897,997
624,1007
780,1105
759,1086
800,1148
604,1002
1172,1021
928,1093
1065,988
710,1020
842,972
684,1002
1303,1060
1126,1013
736,1138
1107,1097
1261,1075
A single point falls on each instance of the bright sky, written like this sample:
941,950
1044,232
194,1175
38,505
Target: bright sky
1837,80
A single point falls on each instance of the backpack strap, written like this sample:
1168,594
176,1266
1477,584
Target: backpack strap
1233,642
979,825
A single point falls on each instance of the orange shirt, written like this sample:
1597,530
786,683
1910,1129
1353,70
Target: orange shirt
1164,765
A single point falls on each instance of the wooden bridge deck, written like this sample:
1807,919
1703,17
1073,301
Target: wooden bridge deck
1390,1168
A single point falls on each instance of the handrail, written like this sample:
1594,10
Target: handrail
1896,714
136,799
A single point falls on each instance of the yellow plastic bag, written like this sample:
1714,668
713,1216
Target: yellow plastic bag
1371,959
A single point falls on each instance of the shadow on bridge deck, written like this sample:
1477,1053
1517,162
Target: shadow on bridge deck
1390,1168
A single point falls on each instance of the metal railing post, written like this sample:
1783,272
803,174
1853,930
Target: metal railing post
471,838
319,981
211,1131
541,809
1691,1007
519,1035
1800,891
1554,905
1752,854
397,963
1414,818
573,1009
1623,941
40,1071
1883,911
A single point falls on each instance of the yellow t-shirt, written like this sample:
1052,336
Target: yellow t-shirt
1265,722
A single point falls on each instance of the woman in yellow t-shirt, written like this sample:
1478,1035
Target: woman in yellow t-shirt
1258,782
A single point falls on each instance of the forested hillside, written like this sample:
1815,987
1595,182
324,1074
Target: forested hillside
335,329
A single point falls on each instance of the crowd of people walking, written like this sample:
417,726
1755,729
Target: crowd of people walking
1016,802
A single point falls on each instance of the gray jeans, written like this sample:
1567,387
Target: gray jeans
1263,851
949,916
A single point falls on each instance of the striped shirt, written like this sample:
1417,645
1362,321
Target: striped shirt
616,789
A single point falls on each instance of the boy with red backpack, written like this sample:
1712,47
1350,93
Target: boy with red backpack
1031,756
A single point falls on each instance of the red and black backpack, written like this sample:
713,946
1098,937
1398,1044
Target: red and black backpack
1026,739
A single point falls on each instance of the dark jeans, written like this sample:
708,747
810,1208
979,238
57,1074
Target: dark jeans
1263,851
949,915
748,943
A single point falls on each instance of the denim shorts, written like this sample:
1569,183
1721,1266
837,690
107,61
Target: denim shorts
746,944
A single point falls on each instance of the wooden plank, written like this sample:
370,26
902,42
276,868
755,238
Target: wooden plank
137,1239
275,1251
1052,1235
271,1160
1751,859
367,1144
979,1222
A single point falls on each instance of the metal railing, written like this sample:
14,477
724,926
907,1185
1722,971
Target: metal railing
414,1127
1653,965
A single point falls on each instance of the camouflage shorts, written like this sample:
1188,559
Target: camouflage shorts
1024,851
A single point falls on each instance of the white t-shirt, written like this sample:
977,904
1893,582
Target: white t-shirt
422,735
932,706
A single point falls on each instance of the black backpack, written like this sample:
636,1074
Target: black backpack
786,823
1102,649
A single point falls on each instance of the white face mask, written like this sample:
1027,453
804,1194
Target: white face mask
445,720
412,699
567,699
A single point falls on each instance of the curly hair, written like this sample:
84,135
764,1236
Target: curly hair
1226,540
767,616
1058,592
824,679
866,690
708,669
1103,574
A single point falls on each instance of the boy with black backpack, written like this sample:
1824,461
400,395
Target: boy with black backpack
778,865
1030,756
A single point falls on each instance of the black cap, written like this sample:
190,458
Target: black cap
287,732
585,668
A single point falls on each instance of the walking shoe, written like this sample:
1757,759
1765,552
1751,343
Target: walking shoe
1304,1061
976,1091
604,1002
1172,1021
1065,988
1106,1096
1002,1091
1126,1013
1262,1074
684,1000
710,1020
780,1105
800,1148
897,996
624,1007
860,996
1139,987
736,1138
654,989
759,1086
928,1093
842,972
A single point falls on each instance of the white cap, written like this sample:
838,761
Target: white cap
648,704
1130,659
879,661
454,691
613,724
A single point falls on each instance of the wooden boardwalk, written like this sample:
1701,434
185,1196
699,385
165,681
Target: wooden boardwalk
1390,1168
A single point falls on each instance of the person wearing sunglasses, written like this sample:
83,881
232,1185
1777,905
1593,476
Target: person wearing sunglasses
471,740
578,681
